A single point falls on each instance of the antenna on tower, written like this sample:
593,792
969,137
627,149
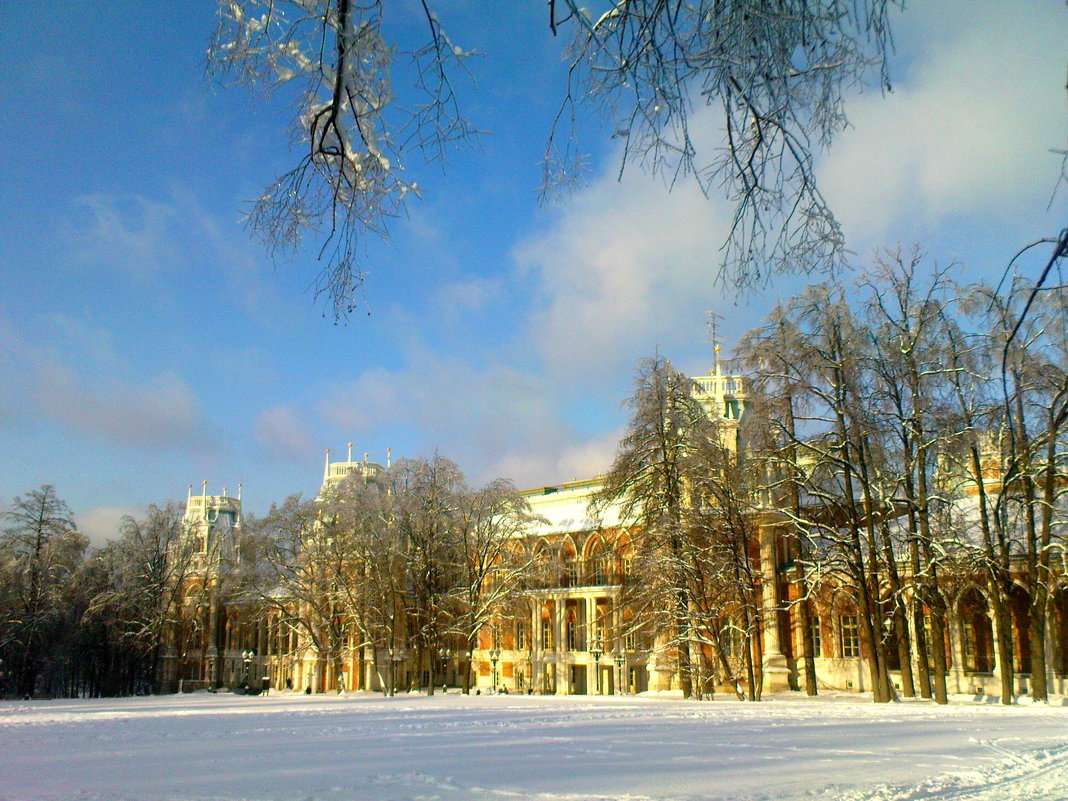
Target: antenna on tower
713,338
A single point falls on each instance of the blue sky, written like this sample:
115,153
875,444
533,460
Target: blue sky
146,343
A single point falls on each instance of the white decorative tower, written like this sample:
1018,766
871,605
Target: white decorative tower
724,397
336,472
212,522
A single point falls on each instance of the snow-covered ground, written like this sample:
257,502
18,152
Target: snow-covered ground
207,747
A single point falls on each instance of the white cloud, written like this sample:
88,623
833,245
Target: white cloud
460,298
284,435
558,461
499,420
88,389
626,265
162,411
102,523
129,234
967,129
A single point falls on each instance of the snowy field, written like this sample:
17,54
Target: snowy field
207,747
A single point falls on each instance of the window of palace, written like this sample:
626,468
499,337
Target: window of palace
598,565
849,626
599,570
817,635
968,649
733,640
520,635
547,633
977,636
574,639
570,578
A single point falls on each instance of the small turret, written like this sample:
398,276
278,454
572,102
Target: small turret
336,472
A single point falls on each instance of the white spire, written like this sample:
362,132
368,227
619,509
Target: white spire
326,467
349,459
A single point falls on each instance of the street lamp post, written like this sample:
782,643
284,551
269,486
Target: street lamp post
247,656
596,649
495,655
620,659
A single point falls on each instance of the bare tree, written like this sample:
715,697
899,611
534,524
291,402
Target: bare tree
42,550
356,135
841,458
304,581
649,481
973,452
146,575
723,569
360,515
1030,504
906,317
427,502
494,563
777,71
777,399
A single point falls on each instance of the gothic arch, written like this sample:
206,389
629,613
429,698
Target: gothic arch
598,560
976,630
568,555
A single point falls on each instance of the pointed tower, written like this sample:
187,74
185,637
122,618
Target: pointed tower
724,397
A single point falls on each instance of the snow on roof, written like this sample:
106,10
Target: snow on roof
566,508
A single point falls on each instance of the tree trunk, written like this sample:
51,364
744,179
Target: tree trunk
938,646
922,646
807,641
1037,632
904,651
682,640
1004,643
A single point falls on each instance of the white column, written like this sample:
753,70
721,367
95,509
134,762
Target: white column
563,680
776,671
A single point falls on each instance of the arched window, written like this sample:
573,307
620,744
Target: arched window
976,632
573,632
569,573
599,564
547,628
1059,604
